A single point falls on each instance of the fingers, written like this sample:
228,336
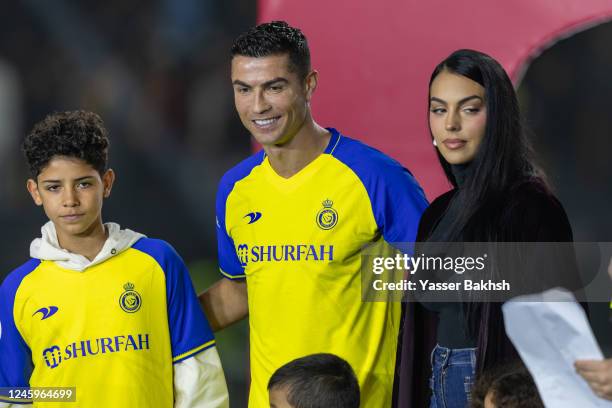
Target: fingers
588,365
598,375
602,391
592,377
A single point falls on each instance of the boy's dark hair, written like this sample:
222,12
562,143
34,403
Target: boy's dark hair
318,381
510,386
78,134
274,38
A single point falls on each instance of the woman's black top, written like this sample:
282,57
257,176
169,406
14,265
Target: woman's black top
529,213
452,330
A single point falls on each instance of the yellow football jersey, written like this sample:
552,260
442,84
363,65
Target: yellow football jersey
112,331
298,242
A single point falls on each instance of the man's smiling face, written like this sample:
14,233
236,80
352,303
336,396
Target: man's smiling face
271,99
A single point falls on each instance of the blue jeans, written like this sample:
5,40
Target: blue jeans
453,372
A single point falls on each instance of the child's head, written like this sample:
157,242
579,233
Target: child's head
67,155
507,387
75,134
315,381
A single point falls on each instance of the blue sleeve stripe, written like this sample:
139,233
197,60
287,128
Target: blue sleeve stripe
333,142
234,175
16,362
396,198
188,326
231,277
229,262
228,259
13,280
162,253
193,352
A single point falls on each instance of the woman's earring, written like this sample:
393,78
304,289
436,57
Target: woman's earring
435,143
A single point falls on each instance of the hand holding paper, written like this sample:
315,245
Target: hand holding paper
598,373
550,331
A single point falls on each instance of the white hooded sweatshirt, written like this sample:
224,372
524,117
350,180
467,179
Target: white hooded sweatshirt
199,381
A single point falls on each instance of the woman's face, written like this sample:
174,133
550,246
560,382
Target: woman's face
457,116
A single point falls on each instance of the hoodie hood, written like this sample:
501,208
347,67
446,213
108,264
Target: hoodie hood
47,247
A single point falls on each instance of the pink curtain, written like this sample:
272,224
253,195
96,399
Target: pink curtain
374,59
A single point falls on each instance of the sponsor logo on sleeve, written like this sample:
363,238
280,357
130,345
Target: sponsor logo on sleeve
253,217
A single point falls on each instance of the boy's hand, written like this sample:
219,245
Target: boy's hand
598,374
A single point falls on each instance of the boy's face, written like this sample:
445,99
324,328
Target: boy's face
71,192
278,398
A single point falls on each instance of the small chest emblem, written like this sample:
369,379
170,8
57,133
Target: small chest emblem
253,216
327,217
130,300
46,312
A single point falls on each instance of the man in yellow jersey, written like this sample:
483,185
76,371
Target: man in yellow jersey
104,316
292,219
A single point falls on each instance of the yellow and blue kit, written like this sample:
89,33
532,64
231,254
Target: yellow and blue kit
297,241
114,329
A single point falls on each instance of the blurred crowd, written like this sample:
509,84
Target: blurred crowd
158,74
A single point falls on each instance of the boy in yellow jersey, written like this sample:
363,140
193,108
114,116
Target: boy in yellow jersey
293,218
104,310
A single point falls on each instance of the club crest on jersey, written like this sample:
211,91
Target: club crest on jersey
130,300
327,217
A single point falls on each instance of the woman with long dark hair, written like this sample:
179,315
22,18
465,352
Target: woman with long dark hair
498,195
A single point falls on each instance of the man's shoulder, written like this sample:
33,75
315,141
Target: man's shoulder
241,170
372,165
160,250
355,152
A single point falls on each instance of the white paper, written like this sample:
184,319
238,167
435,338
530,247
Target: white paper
550,336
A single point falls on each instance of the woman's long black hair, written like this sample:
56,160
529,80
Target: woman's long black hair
503,158
503,161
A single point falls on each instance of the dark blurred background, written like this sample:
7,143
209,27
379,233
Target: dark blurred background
566,97
158,73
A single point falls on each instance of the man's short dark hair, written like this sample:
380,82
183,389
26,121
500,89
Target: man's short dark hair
318,381
275,38
79,134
